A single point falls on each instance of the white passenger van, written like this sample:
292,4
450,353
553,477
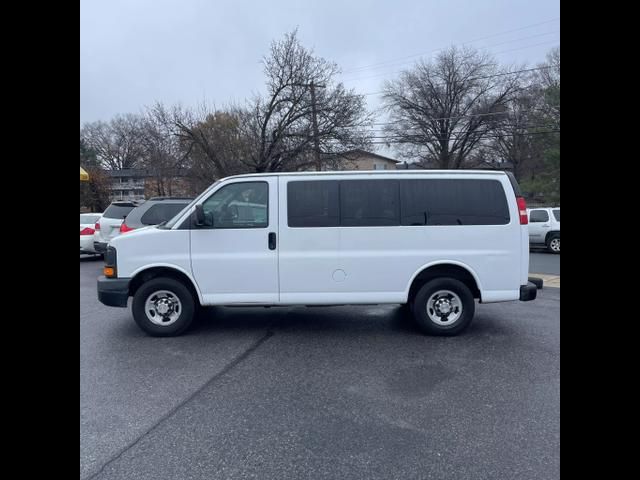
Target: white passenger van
434,240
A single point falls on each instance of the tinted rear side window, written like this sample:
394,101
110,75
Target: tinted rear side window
369,203
538,216
556,213
453,202
117,211
313,204
161,212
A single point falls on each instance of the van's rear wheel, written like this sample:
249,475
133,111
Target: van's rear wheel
163,307
443,306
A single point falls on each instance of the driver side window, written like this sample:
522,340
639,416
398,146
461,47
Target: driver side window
238,205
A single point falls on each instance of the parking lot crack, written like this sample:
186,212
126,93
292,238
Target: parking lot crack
226,369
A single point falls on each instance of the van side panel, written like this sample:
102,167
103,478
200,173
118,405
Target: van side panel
376,264
307,259
135,256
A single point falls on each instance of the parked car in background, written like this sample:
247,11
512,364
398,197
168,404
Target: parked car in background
108,226
544,228
434,240
154,211
87,230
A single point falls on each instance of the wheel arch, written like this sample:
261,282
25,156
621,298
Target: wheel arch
445,268
164,270
550,234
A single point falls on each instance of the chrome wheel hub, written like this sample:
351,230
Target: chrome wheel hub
163,307
444,307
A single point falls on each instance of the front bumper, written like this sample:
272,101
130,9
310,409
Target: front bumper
528,292
113,292
100,247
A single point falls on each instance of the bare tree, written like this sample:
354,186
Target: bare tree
545,178
164,154
443,110
117,144
304,115
212,139
513,143
548,81
94,194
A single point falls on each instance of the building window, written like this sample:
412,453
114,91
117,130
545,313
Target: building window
379,166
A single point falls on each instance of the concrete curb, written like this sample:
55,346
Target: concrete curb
549,280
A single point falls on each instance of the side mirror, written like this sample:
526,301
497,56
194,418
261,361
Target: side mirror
199,215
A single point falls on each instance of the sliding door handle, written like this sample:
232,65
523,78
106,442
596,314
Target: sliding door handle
272,240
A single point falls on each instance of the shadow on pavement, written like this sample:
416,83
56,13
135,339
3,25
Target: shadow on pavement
360,320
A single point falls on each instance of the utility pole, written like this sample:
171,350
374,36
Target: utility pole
314,121
316,139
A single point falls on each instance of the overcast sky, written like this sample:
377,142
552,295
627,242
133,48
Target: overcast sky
134,52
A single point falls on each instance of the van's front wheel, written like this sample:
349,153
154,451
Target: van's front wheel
163,307
443,306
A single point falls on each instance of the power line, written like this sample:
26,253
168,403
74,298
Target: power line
384,134
481,78
488,46
382,142
549,123
448,118
383,74
366,67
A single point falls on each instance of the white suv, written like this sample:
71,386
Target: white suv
108,226
544,228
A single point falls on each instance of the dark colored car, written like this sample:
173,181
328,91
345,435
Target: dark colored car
154,211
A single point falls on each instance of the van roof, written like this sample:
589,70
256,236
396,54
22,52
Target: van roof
374,172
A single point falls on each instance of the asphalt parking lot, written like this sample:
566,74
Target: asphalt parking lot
542,262
341,392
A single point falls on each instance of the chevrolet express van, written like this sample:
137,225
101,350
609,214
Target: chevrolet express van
434,240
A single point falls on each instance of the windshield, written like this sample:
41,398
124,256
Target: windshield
178,215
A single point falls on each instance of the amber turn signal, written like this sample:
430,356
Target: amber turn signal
109,272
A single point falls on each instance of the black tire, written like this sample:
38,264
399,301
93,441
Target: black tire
406,308
466,307
553,243
186,311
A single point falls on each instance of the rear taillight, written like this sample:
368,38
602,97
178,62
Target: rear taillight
124,228
87,231
522,210
97,226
